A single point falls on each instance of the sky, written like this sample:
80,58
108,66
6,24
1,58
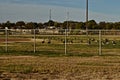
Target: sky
39,10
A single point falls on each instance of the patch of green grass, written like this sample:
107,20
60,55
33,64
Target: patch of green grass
46,53
19,68
37,53
94,64
81,55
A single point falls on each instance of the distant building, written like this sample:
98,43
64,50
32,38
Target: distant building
51,27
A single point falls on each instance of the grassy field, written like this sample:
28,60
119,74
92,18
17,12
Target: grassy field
49,62
59,68
76,44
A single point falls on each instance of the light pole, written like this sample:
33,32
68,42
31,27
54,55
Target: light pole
87,17
49,24
50,15
67,20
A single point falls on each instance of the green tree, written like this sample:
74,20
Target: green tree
64,25
109,25
92,24
8,24
80,25
57,24
102,25
49,23
40,25
31,25
20,24
116,25
1,26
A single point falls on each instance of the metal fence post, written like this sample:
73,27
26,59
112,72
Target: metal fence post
65,42
100,43
34,40
6,39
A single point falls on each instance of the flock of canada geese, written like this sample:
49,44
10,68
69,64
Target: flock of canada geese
89,41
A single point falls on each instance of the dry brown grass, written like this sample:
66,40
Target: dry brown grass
60,68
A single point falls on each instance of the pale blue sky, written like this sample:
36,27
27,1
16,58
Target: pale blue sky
38,10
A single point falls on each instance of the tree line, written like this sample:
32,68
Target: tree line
91,24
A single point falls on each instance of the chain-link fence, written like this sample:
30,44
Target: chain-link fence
63,41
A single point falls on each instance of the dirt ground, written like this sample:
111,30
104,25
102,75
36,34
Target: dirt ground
59,68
